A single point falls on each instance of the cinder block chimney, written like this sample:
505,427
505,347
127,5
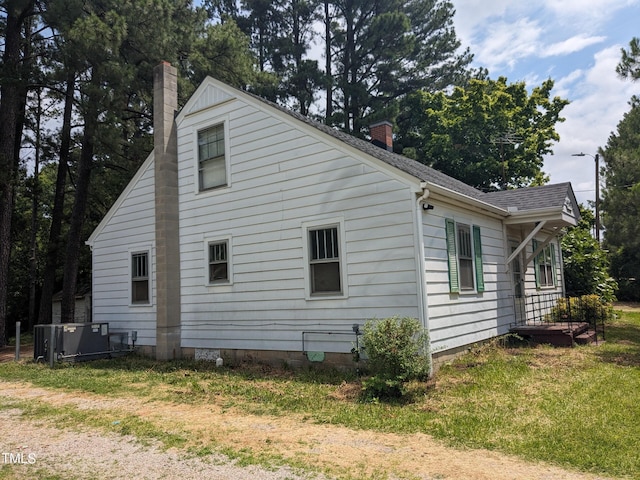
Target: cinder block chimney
382,135
167,251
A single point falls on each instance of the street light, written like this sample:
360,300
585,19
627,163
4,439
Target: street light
596,157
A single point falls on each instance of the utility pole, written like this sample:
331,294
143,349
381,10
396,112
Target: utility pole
596,157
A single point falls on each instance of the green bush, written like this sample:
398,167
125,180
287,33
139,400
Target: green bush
396,351
587,308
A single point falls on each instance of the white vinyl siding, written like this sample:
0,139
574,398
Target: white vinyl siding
129,229
460,317
288,180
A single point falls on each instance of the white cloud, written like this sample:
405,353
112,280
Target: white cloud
582,13
599,99
576,42
571,45
506,43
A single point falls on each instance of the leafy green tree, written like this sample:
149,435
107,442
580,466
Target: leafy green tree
586,264
620,204
490,134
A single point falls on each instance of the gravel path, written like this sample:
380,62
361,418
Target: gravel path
37,448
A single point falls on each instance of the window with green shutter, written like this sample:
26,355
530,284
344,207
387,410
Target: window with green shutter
464,256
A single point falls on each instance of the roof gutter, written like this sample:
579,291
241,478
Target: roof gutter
460,197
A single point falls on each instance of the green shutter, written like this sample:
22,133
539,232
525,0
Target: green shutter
477,252
454,283
553,265
536,264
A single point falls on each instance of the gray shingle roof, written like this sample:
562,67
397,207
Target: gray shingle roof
546,196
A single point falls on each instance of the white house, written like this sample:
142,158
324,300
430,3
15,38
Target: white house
252,231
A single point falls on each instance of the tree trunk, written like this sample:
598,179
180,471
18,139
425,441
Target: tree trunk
33,260
78,213
328,59
54,250
12,92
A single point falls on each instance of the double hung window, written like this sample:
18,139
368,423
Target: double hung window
464,255
140,278
212,165
218,262
324,261
545,266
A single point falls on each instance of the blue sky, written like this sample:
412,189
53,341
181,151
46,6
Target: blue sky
576,43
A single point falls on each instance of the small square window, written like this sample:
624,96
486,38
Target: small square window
218,262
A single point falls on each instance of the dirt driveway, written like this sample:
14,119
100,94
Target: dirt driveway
339,452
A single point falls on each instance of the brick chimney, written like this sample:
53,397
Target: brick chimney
382,135
167,251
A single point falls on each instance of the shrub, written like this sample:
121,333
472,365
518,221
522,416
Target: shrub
396,350
587,308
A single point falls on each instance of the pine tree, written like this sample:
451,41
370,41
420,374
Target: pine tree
620,204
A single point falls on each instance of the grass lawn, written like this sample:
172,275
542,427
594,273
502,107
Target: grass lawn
576,407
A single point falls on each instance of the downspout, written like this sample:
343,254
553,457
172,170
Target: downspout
423,309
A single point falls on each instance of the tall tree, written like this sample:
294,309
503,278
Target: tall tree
629,66
302,77
490,134
383,50
112,47
620,204
621,195
328,76
13,92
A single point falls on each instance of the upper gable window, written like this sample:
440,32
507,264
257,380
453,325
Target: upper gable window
212,165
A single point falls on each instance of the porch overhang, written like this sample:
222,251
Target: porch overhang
548,222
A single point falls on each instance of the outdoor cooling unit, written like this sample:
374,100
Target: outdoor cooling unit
71,342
